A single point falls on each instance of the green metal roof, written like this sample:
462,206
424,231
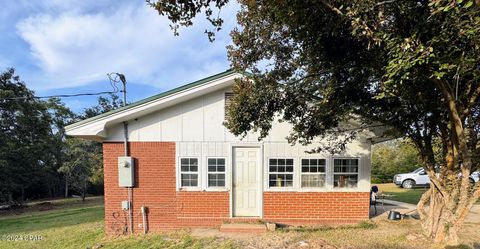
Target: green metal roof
161,95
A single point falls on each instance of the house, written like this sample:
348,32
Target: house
190,171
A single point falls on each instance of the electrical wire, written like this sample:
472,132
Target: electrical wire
114,79
58,96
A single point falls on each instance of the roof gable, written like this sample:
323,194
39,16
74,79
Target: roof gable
94,128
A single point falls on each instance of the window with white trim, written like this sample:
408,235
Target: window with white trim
345,173
280,172
189,172
313,173
216,172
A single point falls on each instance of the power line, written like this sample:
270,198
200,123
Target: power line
114,78
58,96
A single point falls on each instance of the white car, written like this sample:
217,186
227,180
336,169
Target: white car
420,178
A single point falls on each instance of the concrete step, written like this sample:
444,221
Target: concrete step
245,220
243,228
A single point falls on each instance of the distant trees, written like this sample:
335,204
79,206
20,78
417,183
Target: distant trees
393,157
82,165
25,139
37,160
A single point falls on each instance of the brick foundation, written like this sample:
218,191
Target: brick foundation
297,208
155,189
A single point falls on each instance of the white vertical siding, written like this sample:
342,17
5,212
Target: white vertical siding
197,127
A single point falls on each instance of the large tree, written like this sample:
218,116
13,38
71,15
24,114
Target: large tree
413,66
25,137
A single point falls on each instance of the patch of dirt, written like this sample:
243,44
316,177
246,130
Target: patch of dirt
284,240
402,234
43,206
272,240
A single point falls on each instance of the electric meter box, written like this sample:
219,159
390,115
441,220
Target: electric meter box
126,167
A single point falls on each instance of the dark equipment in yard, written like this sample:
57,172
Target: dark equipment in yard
394,215
373,197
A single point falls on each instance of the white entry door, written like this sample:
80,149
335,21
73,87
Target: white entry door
246,182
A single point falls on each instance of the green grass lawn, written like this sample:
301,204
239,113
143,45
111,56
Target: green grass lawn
411,196
73,224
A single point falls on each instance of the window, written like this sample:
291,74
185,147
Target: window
313,173
345,173
280,173
216,172
189,172
228,101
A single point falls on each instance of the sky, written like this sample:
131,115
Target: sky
68,47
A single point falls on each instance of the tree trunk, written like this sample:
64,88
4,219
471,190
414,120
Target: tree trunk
439,215
22,197
66,187
84,189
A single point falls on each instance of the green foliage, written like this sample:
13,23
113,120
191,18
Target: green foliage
392,158
26,137
104,105
83,164
35,156
182,12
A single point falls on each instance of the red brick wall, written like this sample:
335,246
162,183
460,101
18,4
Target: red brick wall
316,207
155,188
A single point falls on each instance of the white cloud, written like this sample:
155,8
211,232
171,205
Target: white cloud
77,47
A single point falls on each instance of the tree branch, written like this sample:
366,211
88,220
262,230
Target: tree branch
332,8
472,101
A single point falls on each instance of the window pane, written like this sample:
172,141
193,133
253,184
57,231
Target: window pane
216,180
289,162
212,180
194,182
345,181
280,180
281,161
189,180
316,180
189,165
313,165
216,165
345,166
273,162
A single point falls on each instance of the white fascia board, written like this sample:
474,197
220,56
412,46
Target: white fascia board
96,128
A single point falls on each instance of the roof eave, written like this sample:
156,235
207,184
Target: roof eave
95,127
